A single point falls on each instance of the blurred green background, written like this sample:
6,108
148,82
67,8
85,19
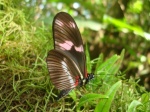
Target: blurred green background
106,26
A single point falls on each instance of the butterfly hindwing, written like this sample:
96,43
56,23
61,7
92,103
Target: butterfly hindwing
63,71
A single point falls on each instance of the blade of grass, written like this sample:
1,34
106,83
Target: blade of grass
88,64
112,65
134,104
123,26
99,62
89,97
104,105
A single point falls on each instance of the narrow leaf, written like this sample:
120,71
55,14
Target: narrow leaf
73,95
88,60
89,97
99,62
133,106
114,69
104,105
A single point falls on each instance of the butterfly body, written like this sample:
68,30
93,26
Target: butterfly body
66,62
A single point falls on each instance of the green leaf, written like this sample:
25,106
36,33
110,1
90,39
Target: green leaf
89,97
132,107
107,65
104,105
99,62
89,24
73,95
88,64
115,68
124,27
145,97
112,65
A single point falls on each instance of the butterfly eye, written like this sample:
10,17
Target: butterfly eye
66,62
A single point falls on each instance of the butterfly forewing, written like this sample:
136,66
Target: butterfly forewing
63,71
67,38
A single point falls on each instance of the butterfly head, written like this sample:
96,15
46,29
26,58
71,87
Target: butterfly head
89,77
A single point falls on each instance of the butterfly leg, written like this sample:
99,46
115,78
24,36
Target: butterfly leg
63,93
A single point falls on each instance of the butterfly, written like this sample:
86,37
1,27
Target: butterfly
66,62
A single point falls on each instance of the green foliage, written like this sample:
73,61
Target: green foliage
133,106
90,97
124,27
105,104
89,67
26,38
23,71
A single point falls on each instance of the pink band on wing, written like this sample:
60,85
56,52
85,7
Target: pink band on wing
68,45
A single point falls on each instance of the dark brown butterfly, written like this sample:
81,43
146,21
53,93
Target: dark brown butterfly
66,62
